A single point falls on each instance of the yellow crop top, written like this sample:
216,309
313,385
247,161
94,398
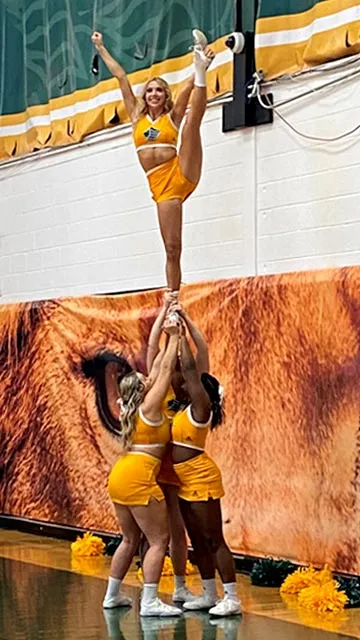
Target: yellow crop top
165,408
151,433
186,432
162,132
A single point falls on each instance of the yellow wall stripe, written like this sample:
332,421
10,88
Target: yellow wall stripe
298,20
291,58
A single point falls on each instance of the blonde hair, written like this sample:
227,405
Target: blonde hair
132,392
144,109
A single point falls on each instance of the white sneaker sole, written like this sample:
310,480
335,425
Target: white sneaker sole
205,607
199,38
116,606
237,612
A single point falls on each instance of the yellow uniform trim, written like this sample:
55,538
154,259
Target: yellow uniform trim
187,432
148,133
151,433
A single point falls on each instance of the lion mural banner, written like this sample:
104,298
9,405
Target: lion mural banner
286,349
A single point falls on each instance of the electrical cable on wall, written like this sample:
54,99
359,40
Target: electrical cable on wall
300,133
258,84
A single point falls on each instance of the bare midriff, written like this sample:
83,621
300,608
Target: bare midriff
155,156
155,450
182,454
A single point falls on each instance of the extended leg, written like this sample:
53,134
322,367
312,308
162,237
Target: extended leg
170,221
122,558
152,520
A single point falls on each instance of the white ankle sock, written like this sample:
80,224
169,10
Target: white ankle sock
230,589
113,588
210,588
149,593
179,582
200,75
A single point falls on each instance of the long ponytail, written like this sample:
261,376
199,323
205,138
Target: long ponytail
132,391
215,393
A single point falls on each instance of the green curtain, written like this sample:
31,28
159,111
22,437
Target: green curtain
46,50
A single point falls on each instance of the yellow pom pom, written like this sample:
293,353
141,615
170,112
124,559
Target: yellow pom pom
300,579
323,576
303,578
190,568
88,546
168,569
290,599
323,598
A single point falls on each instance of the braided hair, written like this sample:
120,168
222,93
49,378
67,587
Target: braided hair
215,392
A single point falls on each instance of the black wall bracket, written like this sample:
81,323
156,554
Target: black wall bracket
244,111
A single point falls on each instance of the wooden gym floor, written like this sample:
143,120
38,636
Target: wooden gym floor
46,594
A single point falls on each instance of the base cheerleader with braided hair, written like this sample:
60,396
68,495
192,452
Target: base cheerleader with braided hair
200,483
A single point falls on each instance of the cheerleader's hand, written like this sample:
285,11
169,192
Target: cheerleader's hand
171,326
97,39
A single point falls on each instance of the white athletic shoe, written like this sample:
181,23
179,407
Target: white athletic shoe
159,608
201,602
200,39
182,594
117,601
228,606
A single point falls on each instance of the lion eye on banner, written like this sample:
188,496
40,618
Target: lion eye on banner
286,350
293,35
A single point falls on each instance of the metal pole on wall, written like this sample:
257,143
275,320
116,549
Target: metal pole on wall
244,111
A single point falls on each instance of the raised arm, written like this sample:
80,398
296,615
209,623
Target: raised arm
154,371
202,355
152,405
201,406
118,72
181,103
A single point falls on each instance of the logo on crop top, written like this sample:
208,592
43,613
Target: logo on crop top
151,134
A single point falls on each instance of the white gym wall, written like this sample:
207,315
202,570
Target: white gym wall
80,220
